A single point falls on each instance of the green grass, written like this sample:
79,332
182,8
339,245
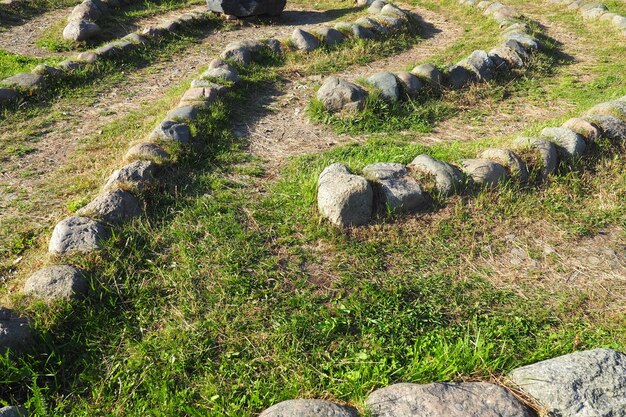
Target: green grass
11,64
19,12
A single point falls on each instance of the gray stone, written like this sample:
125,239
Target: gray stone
376,7
582,384
7,94
57,282
200,96
304,41
587,130
13,412
619,21
518,48
410,83
15,332
569,144
247,8
308,408
508,159
331,36
492,8
429,73
275,46
482,5
80,30
612,127
342,198
112,206
546,150
616,108
237,54
504,57
135,38
388,85
524,39
459,77
111,49
227,73
47,70
217,88
468,399
480,63
77,234
344,27
361,32
183,114
392,23
393,11
484,172
394,190
147,151
87,10
593,13
88,57
337,95
372,25
69,65
136,175
171,130
167,26
448,179
25,80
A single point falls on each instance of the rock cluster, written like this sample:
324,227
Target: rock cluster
344,201
597,11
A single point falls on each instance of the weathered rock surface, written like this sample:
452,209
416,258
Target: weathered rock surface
376,6
15,332
485,172
331,36
77,234
615,108
393,11
7,94
480,63
201,94
183,114
458,76
138,175
508,159
112,206
308,408
410,83
448,179
237,54
429,73
388,85
80,30
582,384
523,39
612,127
57,282
304,41
361,32
247,8
394,189
587,130
504,57
222,72
469,399
25,80
13,412
337,95
569,144
343,198
546,151
147,151
172,130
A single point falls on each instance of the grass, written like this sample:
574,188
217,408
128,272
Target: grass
11,64
19,12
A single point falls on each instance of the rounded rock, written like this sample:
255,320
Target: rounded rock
546,150
15,332
448,179
337,95
410,83
508,159
344,199
584,128
147,151
484,172
77,234
429,73
308,408
57,282
137,175
113,207
304,41
388,85
569,144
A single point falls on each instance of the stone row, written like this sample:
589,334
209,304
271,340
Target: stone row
26,84
517,45
386,20
346,199
594,10
82,20
580,384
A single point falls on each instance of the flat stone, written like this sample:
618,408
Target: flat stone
619,21
337,95
480,63
410,83
344,27
393,189
7,94
222,73
304,41
524,39
147,151
57,282
569,144
468,399
214,89
361,32
47,70
344,199
237,54
13,412
25,80
113,207
172,130
69,65
331,36
393,11
484,172
459,77
612,127
247,8
136,175
80,30
587,130
508,159
308,408
448,179
15,332
546,150
582,384
183,114
77,234
199,95
428,73
388,85
376,7
492,8
384,171
616,108
88,57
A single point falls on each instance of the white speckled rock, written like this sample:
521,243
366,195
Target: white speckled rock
77,234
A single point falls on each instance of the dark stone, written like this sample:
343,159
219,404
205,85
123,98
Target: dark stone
247,8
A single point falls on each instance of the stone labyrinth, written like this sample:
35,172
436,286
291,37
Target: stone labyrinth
399,57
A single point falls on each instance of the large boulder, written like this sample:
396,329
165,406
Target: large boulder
469,399
395,190
582,384
247,8
57,282
344,199
77,234
15,332
308,408
448,179
337,95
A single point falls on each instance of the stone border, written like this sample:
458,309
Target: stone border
514,52
595,11
82,20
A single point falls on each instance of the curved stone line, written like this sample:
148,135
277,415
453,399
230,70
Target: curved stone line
595,11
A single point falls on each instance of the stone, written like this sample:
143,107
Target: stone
110,49
226,73
13,412
331,36
467,399
167,26
593,13
582,384
484,172
247,8
392,23
344,199
361,32
15,332
135,38
448,179
87,57
376,7
183,114
80,30
504,57
590,6
308,408
546,150
612,127
113,207
428,73
69,65
614,108
7,94
394,190
410,83
482,5
87,10
619,21
492,8
77,234
459,77
569,144
57,282
237,54
304,41
388,85
25,80
508,159
393,11
172,130
587,130
524,39
47,70
136,175
337,95
608,16
372,25
518,48
217,88
275,46
147,151
344,27
219,63
480,63
199,96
